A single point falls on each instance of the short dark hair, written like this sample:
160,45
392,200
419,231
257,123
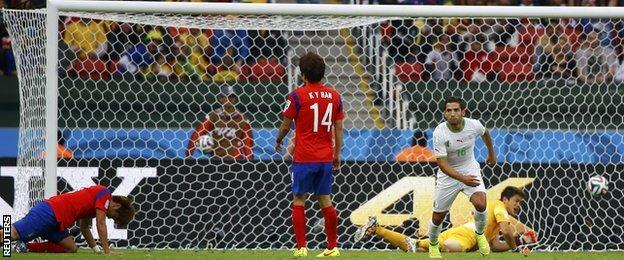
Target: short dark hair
312,67
125,212
511,191
448,100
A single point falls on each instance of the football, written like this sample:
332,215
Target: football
205,143
597,185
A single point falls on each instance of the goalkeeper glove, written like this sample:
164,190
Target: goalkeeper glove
97,249
528,237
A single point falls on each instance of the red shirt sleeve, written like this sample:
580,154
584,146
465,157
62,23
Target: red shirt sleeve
292,105
200,130
102,199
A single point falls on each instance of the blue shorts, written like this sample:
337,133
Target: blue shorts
40,222
314,178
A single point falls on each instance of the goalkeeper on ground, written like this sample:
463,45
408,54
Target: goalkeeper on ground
461,238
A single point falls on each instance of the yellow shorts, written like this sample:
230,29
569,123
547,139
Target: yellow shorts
464,236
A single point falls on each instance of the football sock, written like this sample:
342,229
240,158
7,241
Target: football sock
434,232
331,224
45,247
395,238
480,221
299,225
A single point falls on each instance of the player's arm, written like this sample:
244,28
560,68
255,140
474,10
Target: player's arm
100,223
85,229
519,227
508,234
448,170
288,115
487,139
283,131
337,143
200,130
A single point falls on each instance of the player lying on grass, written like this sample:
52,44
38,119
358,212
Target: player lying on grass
461,238
51,218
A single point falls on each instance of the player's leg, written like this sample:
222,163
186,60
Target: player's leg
38,221
445,193
323,189
301,185
478,199
394,238
58,242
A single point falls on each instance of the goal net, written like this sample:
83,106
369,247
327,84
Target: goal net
180,112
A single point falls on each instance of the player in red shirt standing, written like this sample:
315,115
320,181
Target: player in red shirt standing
51,218
317,112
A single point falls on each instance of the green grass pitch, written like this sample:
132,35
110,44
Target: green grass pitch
285,254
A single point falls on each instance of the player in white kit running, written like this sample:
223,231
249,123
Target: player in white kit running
459,171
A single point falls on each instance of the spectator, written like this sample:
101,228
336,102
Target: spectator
473,59
228,72
86,37
222,40
544,51
441,62
196,48
229,128
160,69
266,44
596,63
619,73
418,152
563,64
7,59
122,37
139,57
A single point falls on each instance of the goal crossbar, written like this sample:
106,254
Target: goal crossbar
339,10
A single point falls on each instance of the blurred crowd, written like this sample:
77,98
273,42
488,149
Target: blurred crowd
101,50
476,50
509,50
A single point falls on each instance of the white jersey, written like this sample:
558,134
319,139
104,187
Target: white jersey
458,147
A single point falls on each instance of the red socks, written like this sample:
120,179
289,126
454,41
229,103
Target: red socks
299,224
45,247
331,223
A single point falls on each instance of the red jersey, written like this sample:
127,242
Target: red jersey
315,108
72,206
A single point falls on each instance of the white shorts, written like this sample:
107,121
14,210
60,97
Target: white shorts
446,191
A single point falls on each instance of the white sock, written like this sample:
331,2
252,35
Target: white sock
480,221
434,232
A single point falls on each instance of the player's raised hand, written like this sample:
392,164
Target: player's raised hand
470,180
491,159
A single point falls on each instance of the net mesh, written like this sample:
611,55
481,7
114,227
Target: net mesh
143,91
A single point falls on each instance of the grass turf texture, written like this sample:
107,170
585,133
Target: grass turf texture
286,254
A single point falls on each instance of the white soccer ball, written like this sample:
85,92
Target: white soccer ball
205,143
597,185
